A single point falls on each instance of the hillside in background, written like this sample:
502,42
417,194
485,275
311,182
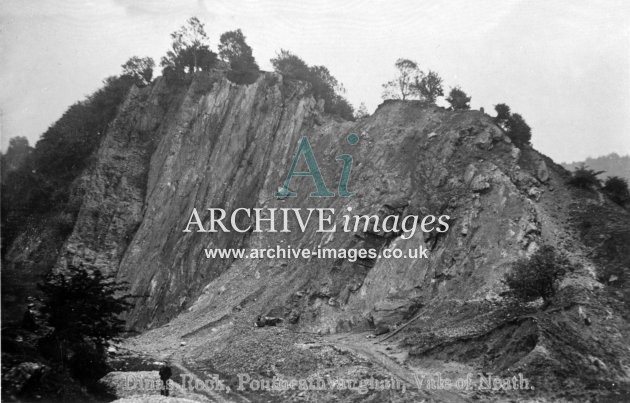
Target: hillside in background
613,164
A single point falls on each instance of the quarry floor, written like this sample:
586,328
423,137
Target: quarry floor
296,355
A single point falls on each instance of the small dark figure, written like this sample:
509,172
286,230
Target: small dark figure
165,375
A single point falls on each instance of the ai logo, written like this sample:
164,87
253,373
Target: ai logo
304,149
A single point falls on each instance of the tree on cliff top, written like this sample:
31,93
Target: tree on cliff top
514,125
429,86
238,54
402,87
291,65
458,99
140,69
413,83
503,114
323,84
190,50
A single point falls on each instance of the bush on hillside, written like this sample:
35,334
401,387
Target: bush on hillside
323,84
458,99
617,189
585,178
535,277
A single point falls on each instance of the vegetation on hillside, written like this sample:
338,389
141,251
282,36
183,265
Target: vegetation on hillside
536,277
458,99
413,83
60,349
82,310
190,52
39,185
615,187
324,85
585,178
514,125
234,50
612,164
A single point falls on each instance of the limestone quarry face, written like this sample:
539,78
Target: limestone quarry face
225,146
220,145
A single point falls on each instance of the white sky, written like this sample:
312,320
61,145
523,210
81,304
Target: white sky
563,65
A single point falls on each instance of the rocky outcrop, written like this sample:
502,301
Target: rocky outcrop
220,145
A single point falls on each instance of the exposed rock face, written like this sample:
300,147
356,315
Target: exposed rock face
228,146
221,145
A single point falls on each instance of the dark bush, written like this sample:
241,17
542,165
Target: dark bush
617,189
585,178
518,130
535,277
458,99
323,84
503,114
514,125
429,86
87,363
83,306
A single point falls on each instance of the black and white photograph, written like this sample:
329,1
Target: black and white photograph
315,201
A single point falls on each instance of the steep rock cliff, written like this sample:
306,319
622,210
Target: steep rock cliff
217,144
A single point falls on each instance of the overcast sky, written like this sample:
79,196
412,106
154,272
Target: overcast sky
563,65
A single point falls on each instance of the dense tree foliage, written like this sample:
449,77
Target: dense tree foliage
234,50
535,277
291,66
430,87
190,52
617,189
323,84
82,308
458,99
140,69
514,125
503,114
42,183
